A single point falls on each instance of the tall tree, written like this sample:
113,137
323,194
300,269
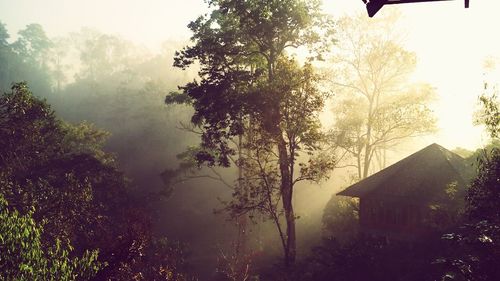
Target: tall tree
4,35
106,56
249,87
5,54
27,59
378,106
33,44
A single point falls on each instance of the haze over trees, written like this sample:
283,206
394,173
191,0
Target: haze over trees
377,105
56,175
90,152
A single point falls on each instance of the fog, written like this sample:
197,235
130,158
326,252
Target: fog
111,64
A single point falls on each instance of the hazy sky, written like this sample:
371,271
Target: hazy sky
451,42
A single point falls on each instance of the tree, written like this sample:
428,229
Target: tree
475,246
106,57
62,171
483,196
5,56
33,44
57,56
249,87
23,257
27,59
57,169
377,106
488,114
340,219
4,36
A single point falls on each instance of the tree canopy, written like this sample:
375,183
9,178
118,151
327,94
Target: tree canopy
378,106
251,88
23,257
57,174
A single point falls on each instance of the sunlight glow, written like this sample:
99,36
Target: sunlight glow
451,42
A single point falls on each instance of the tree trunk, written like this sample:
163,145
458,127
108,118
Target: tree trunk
358,159
368,148
368,145
289,245
287,195
241,220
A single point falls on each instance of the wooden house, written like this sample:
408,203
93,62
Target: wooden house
422,193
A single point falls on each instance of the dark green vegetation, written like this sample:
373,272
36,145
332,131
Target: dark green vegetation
61,186
23,256
68,212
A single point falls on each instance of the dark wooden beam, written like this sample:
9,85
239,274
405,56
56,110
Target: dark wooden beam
389,2
373,6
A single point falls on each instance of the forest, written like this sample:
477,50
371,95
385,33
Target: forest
276,141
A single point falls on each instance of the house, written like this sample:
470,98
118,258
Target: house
422,193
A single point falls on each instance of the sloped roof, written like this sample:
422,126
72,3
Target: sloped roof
417,176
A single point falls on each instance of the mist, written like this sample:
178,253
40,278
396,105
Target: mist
126,71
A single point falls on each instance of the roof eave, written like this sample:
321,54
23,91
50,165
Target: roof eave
346,193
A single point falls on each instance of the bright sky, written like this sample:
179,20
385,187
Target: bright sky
451,42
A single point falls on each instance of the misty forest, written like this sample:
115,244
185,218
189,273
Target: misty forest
276,140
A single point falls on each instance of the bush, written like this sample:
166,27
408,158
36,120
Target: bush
22,256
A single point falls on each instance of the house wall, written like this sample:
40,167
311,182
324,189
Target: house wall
391,217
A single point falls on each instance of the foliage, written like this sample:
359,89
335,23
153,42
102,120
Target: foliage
4,35
23,257
125,99
253,96
157,259
340,219
377,107
33,44
234,265
478,250
85,138
491,114
53,167
472,252
366,258
75,188
483,196
26,58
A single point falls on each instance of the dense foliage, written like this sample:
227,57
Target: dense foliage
23,257
73,215
476,244
255,103
61,171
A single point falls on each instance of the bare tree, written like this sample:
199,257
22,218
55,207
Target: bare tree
377,106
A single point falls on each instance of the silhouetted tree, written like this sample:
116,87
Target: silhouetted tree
245,89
